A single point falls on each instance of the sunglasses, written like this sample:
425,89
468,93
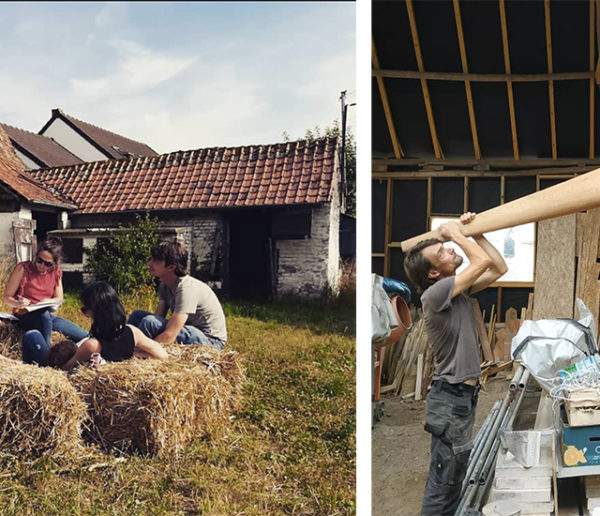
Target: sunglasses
40,261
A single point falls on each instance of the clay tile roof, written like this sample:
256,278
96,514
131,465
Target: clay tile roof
216,178
115,145
40,149
20,183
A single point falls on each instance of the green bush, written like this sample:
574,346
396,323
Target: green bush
122,258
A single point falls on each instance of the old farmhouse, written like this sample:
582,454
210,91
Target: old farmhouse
260,220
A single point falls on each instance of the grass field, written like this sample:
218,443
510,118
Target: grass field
290,449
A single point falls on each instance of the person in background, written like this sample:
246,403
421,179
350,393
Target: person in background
452,334
114,340
31,282
196,314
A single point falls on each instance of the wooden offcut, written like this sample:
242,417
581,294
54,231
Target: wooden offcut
481,331
555,268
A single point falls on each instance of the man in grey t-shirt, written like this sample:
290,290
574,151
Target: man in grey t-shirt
196,314
451,331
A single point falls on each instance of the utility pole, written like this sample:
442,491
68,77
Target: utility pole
343,153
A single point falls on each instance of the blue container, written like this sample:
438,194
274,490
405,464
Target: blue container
582,442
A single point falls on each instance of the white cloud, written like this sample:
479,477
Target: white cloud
138,69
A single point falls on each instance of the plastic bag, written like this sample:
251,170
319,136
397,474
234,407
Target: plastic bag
383,318
549,345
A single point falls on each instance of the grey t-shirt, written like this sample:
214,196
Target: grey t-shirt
452,333
196,298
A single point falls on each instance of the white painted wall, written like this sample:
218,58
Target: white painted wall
72,141
29,164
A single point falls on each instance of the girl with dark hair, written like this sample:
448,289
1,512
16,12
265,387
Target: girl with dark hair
38,280
114,340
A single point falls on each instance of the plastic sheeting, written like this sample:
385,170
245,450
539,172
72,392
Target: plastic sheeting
546,346
383,318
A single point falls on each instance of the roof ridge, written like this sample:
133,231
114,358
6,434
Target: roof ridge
72,118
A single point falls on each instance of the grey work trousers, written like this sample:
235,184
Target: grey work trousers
449,417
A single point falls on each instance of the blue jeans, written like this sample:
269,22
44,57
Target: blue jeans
38,327
151,326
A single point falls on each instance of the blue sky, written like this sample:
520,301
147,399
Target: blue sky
179,75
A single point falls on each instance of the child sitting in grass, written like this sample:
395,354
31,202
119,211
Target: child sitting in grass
114,340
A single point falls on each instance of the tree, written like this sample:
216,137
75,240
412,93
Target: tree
121,259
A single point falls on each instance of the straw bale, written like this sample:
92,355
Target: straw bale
40,411
10,340
155,406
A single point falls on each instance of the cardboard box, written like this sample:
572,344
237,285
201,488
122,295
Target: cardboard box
581,445
583,407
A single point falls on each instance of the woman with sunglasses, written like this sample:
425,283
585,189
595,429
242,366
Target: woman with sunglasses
114,340
31,282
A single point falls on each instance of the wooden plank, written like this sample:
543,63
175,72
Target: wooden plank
465,69
550,82
388,218
592,85
437,149
498,349
511,328
555,258
587,286
481,77
386,106
509,88
419,377
529,314
483,338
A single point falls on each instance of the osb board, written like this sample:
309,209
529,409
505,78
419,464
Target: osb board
588,286
555,268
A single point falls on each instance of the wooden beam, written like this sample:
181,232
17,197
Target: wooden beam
386,106
592,85
550,82
480,77
465,69
509,88
597,72
388,217
437,149
488,163
547,174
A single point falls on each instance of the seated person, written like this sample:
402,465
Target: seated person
34,281
196,314
114,340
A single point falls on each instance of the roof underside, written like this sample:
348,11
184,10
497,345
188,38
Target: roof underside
272,175
484,81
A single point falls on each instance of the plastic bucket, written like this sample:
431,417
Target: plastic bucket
404,319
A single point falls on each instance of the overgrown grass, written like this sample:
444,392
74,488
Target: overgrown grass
290,449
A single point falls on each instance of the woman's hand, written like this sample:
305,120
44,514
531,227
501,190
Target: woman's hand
23,301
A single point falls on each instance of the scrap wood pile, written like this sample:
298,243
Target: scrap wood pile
407,364
151,406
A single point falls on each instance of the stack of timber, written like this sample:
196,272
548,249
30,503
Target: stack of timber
407,365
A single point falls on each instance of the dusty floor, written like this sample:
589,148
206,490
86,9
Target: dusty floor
400,451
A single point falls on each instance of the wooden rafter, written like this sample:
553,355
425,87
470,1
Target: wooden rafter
386,106
465,68
509,88
479,77
437,149
592,85
388,218
550,82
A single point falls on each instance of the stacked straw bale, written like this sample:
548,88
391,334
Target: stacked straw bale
10,340
159,406
40,411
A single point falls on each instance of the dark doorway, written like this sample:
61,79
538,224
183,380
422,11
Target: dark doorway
250,254
45,221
